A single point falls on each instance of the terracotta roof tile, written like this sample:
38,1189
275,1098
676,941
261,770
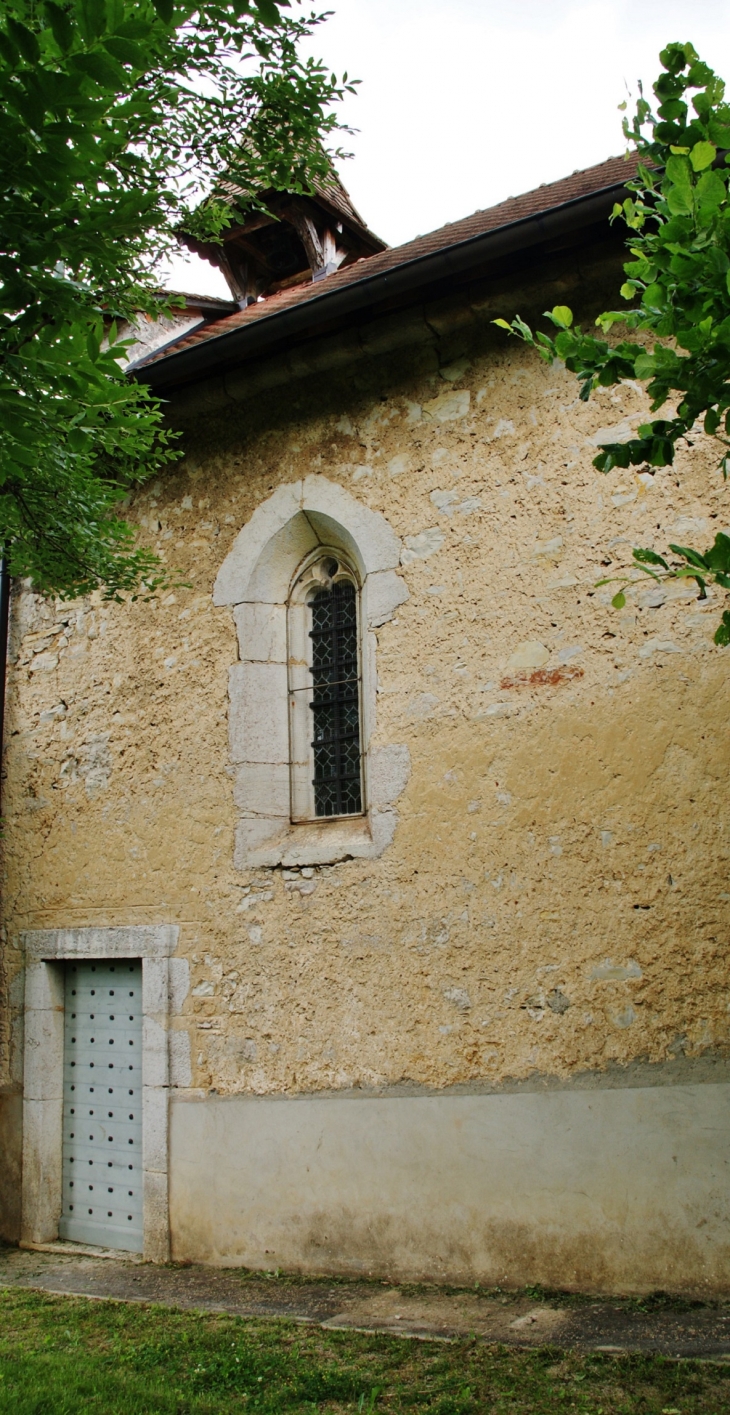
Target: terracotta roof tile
332,191
591,180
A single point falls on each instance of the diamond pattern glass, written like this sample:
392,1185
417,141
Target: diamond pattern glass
335,701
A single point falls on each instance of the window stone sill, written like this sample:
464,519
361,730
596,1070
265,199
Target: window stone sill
262,842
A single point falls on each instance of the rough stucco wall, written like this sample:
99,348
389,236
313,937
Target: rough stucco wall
555,899
11,1138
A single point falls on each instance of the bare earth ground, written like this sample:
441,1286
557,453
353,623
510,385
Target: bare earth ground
659,1324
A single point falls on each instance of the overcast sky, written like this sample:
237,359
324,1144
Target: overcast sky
465,102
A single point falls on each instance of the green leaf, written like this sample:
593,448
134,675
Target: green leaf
165,9
519,327
133,28
562,316
91,15
645,366
711,189
100,67
650,557
679,201
722,632
126,51
25,40
679,173
619,599
8,50
700,75
718,557
61,26
673,58
692,556
269,14
703,155
504,325
654,297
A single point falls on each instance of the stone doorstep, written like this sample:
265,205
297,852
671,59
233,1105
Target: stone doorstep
80,1250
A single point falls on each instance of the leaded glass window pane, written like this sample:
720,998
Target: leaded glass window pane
335,701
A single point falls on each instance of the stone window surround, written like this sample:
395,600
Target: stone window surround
46,950
255,579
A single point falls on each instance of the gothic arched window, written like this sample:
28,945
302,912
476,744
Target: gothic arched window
311,578
325,690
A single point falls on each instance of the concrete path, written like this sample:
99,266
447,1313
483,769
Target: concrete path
669,1326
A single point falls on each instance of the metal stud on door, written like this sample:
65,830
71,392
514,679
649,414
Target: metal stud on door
102,1105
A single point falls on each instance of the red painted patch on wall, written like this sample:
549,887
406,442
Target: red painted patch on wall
542,678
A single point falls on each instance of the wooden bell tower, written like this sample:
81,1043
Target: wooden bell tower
296,239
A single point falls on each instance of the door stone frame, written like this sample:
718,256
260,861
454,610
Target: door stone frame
46,950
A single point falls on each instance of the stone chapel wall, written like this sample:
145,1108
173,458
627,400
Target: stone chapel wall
555,898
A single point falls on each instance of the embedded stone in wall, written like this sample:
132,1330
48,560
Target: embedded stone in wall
658,646
390,768
384,592
549,549
453,372
531,654
420,547
459,997
609,972
447,407
43,663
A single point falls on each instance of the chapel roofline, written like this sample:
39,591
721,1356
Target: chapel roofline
549,212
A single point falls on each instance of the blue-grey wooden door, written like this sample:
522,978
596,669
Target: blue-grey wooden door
102,1105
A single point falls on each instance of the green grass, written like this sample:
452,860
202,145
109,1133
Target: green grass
71,1356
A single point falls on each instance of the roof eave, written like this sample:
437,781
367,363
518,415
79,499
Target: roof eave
262,334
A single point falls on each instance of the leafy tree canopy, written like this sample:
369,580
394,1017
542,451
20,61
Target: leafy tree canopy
116,118
678,283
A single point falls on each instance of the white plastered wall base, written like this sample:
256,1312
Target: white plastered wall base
255,579
613,1188
45,952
